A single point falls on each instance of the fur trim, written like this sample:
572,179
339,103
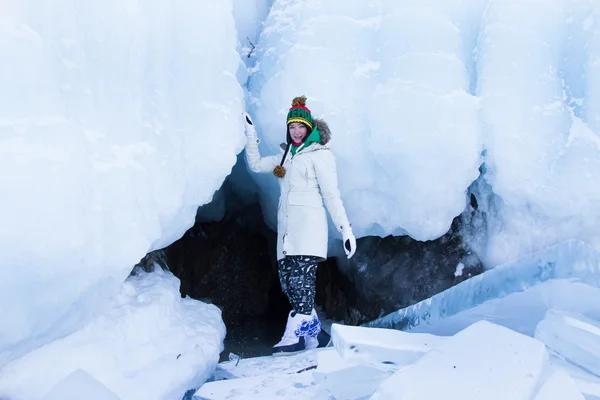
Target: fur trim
323,129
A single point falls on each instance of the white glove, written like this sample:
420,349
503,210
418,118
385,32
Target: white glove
349,242
250,131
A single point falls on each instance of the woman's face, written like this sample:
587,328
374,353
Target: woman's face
297,131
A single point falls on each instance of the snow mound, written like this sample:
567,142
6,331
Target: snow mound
80,385
117,120
150,344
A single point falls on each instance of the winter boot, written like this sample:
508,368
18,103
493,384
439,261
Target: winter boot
323,339
294,337
316,336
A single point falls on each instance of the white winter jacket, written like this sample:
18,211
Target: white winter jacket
310,180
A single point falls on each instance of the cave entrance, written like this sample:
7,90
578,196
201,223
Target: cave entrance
228,263
232,264
228,258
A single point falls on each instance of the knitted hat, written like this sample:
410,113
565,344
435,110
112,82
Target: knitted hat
299,112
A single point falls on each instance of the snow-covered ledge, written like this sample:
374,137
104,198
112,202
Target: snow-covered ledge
150,344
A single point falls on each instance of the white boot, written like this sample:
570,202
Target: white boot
293,340
316,336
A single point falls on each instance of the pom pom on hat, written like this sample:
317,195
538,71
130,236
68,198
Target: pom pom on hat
299,101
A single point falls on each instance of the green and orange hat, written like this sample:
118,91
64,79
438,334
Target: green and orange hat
300,113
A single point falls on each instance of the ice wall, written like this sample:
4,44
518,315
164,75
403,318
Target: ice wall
392,79
117,120
543,158
420,94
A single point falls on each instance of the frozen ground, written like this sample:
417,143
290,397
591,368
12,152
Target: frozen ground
526,330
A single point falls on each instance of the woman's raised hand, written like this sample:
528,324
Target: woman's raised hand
250,131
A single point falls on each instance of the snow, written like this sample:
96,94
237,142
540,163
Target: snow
255,366
150,344
524,330
264,378
121,119
78,385
272,386
459,269
559,386
484,360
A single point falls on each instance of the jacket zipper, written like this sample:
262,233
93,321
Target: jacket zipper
287,206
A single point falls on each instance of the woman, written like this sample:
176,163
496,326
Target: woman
307,178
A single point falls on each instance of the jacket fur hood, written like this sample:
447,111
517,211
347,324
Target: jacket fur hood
323,129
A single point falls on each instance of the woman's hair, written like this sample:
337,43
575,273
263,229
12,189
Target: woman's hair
289,137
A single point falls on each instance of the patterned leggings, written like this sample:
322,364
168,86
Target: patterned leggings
298,276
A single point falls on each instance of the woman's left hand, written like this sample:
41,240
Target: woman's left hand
349,242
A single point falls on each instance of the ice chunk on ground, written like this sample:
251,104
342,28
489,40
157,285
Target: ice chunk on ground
151,344
516,295
588,384
559,386
329,361
117,120
348,380
382,348
484,361
573,336
80,385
